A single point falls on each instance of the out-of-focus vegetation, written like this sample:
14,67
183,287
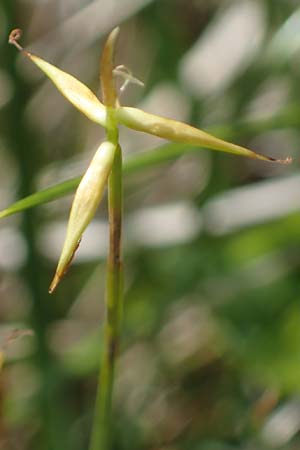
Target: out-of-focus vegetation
211,336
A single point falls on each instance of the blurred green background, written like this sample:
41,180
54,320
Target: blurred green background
210,356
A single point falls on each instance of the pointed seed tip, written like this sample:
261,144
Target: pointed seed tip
288,160
54,283
113,35
116,30
51,289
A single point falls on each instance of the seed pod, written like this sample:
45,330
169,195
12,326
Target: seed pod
109,94
76,92
85,203
180,132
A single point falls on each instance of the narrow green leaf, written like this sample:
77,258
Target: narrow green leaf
141,161
41,197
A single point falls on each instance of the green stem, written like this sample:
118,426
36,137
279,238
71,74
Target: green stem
100,438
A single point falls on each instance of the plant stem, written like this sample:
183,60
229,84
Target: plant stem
100,438
101,432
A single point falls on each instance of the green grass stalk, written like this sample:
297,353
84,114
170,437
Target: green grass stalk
101,430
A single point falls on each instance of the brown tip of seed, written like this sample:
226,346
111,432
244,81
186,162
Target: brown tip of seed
14,37
54,283
286,161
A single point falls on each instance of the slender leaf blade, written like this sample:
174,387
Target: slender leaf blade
141,161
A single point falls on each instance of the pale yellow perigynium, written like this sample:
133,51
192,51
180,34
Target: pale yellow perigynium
91,188
86,201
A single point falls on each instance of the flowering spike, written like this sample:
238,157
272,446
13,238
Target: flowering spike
92,185
85,203
180,132
126,74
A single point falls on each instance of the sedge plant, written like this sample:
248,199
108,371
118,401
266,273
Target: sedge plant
106,169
